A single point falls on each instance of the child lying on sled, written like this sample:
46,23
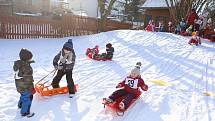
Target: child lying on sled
94,53
129,88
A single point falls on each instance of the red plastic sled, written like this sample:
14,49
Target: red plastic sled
115,105
47,91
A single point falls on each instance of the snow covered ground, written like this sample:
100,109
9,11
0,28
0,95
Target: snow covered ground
178,76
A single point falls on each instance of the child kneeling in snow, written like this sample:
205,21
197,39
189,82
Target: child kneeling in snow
24,81
195,39
129,88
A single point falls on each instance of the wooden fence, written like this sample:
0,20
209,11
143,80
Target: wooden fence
18,27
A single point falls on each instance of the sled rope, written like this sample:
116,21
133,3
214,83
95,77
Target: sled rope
46,76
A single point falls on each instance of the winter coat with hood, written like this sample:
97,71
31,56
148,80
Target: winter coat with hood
65,61
24,72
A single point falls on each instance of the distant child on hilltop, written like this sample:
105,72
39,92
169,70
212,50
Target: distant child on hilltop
24,81
129,88
64,62
151,26
170,26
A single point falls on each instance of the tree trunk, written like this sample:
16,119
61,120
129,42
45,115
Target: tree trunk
104,13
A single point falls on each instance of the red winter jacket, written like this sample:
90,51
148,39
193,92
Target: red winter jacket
191,18
150,28
132,85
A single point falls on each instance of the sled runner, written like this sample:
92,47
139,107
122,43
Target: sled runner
115,105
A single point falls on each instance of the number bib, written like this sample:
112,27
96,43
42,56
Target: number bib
131,82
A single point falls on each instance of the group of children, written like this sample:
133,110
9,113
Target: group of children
192,25
64,62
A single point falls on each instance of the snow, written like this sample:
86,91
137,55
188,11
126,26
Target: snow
28,14
178,75
154,4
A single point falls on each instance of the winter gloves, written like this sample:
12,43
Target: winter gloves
61,66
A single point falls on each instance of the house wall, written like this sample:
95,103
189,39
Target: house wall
5,10
33,6
41,5
21,5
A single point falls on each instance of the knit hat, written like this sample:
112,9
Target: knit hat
25,54
68,45
135,71
138,65
109,45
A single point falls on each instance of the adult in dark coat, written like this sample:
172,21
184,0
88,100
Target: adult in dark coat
191,17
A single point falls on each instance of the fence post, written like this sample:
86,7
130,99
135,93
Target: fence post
2,35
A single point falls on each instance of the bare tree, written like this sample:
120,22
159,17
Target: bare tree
210,7
180,8
105,11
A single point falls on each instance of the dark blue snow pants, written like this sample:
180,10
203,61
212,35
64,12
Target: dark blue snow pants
25,102
128,97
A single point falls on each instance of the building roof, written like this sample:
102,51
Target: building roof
155,4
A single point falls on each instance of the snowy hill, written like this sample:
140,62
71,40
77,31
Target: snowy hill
178,75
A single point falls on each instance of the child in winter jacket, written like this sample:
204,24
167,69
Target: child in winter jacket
183,25
170,26
191,18
151,26
195,39
189,30
160,27
129,88
24,81
92,52
64,62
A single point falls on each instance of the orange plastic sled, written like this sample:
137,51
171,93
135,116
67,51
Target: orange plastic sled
46,91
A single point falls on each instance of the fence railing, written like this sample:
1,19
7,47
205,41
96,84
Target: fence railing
17,27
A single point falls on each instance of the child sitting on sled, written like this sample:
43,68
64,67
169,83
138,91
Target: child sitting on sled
195,39
108,55
129,88
24,81
92,52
